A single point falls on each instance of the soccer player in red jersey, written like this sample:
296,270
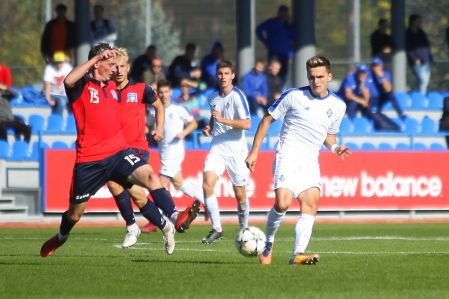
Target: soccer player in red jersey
102,153
133,98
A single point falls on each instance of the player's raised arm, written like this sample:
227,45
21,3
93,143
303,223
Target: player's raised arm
341,150
78,72
191,126
261,132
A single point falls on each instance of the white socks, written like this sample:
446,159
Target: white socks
193,191
214,212
273,222
243,213
303,232
133,227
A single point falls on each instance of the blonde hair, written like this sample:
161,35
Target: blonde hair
317,61
122,54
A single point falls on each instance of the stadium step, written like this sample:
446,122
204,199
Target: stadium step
14,210
6,201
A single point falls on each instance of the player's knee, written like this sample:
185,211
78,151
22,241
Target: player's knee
74,217
281,207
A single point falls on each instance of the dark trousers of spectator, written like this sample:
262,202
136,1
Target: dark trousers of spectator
380,102
19,127
254,107
284,60
381,121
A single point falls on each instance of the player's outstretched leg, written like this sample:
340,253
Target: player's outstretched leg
265,256
168,232
187,216
50,246
212,236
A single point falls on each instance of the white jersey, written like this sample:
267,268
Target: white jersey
176,117
226,139
307,118
56,78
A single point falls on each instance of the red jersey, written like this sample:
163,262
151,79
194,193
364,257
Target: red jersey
99,134
132,112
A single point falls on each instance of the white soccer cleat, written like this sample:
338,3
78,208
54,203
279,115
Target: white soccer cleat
169,237
132,234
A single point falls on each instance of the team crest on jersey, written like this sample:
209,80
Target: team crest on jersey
329,113
132,97
114,95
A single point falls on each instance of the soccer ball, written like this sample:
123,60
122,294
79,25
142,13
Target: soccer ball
250,241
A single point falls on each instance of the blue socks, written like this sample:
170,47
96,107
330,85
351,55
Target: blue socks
151,212
123,201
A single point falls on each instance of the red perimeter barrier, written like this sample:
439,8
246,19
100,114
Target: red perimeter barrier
366,181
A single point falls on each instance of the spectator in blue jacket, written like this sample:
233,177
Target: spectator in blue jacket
355,92
255,86
279,37
381,89
418,52
209,64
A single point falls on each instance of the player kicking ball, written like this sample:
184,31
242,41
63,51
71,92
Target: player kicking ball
133,100
178,124
312,117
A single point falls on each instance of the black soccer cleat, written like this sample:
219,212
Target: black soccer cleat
212,236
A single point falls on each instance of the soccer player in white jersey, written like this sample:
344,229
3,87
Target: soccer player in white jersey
312,116
230,117
178,124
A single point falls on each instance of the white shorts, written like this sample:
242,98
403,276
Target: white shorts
170,167
297,171
235,166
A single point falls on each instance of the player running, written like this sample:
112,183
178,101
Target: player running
102,153
230,117
179,123
312,116
133,100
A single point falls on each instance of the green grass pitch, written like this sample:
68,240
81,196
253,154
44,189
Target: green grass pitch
357,261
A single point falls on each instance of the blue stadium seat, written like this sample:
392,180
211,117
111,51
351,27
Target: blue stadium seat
384,146
20,150
275,128
346,126
34,97
59,145
402,146
437,147
362,126
419,101
70,126
205,145
54,124
412,126
352,146
368,146
37,123
176,92
35,150
404,100
419,146
254,124
399,122
5,150
435,100
428,126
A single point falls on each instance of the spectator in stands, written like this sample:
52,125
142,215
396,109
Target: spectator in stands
254,84
54,75
279,37
418,52
101,29
142,63
381,89
155,73
191,103
184,67
274,81
209,65
355,92
59,35
447,38
5,77
382,42
8,120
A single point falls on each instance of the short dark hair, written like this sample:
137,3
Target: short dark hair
317,61
98,49
60,6
163,83
412,18
382,21
225,64
190,46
